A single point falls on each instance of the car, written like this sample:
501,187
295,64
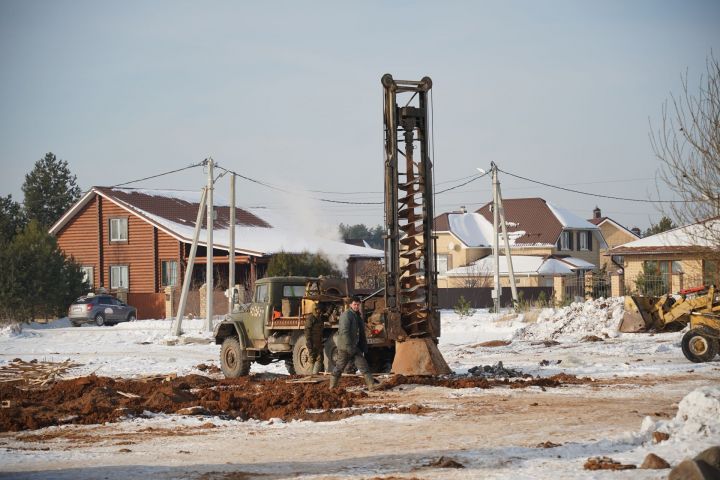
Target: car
101,309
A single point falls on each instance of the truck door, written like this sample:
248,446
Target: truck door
254,318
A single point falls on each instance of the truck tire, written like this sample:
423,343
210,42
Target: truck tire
699,347
234,361
301,357
290,367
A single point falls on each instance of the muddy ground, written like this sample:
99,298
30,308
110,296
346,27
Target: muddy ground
96,400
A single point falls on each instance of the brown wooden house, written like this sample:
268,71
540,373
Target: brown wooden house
139,240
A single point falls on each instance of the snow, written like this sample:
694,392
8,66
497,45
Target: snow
599,317
522,265
687,236
471,228
141,348
569,219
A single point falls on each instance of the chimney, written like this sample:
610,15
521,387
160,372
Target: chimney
597,213
636,231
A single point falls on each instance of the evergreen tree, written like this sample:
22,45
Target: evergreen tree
663,225
12,219
37,279
50,190
301,264
373,236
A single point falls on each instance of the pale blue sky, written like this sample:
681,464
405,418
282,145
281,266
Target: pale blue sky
289,93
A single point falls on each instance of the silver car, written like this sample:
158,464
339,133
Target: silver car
101,309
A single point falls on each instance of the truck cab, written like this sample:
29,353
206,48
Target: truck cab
271,327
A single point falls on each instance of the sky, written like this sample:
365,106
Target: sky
289,93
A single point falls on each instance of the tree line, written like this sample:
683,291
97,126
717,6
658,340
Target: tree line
37,280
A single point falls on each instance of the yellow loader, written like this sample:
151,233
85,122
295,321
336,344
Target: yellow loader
667,311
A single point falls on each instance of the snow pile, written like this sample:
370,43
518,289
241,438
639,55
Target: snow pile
599,317
11,330
698,416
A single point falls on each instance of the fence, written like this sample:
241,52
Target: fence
661,284
481,297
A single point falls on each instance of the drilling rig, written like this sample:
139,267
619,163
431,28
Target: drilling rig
411,295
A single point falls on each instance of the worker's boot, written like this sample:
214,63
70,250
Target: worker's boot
369,381
317,367
334,381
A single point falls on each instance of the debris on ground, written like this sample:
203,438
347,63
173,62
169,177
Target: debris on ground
492,343
605,463
660,436
494,371
461,381
653,462
208,368
445,462
546,363
592,338
34,372
547,444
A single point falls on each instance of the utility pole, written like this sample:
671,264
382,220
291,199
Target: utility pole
496,242
231,253
209,256
177,327
508,256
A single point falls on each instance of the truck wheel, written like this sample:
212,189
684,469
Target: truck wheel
301,357
699,347
233,359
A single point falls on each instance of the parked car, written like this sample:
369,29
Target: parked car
101,309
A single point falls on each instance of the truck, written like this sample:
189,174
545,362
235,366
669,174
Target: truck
271,327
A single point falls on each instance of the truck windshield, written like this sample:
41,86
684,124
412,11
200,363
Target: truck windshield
261,294
293,291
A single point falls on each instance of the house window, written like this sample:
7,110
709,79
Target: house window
169,273
118,229
443,264
565,241
585,240
119,277
87,275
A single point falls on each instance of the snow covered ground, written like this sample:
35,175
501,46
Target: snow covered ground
492,432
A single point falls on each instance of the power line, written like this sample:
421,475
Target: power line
161,174
592,194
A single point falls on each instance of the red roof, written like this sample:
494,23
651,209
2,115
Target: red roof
531,215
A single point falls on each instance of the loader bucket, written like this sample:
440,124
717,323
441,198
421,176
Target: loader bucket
638,314
419,356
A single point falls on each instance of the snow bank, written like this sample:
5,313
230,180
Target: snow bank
11,330
698,415
599,317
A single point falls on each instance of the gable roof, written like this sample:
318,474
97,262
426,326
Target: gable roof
602,220
536,222
175,211
690,238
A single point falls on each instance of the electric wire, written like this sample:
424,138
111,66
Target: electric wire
599,195
161,174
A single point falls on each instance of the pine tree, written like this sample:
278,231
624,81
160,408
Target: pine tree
301,264
12,219
37,279
50,189
663,225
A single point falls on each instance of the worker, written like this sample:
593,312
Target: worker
314,325
351,344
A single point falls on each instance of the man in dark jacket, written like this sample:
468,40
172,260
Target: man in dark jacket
351,344
314,339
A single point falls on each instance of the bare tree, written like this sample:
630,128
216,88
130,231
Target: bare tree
687,143
477,277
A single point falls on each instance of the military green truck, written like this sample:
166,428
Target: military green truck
271,327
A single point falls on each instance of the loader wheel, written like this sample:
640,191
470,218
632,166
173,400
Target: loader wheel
234,361
301,357
699,347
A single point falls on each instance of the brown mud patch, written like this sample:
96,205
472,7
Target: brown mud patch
479,382
93,400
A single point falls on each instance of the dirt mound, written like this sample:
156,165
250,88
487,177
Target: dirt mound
481,382
92,399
